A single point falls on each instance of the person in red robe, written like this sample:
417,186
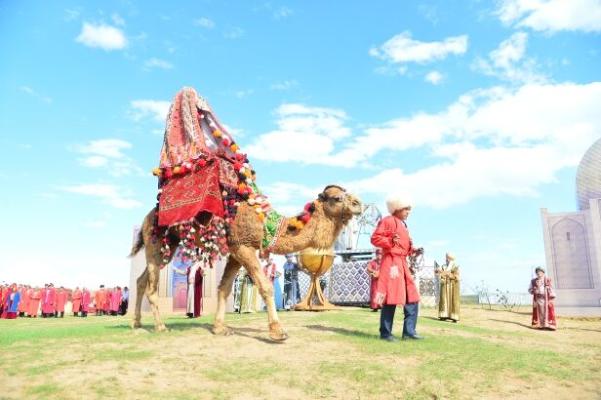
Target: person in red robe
543,296
86,297
5,299
107,301
61,299
395,282
1,299
115,300
11,303
108,293
373,270
100,299
23,301
76,301
34,302
48,297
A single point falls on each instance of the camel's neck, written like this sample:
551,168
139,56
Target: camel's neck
320,232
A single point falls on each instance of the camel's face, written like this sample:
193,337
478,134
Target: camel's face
337,203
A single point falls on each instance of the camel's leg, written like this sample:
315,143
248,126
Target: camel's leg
248,258
223,291
152,290
141,284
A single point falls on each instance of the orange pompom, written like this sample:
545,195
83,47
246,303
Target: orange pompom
177,170
234,147
217,133
157,172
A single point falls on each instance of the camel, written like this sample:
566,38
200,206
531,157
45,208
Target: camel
332,210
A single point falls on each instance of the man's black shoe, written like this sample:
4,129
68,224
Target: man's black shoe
413,337
390,338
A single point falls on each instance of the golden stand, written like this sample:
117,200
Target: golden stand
315,262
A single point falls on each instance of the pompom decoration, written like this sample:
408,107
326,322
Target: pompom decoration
207,243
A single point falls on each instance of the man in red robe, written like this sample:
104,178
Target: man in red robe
373,270
100,299
34,302
115,300
76,301
61,299
108,293
543,296
23,302
85,302
48,298
395,283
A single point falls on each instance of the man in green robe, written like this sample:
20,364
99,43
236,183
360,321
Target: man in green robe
448,302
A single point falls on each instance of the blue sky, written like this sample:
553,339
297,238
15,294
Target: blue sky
479,110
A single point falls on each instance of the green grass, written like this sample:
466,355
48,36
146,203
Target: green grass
330,355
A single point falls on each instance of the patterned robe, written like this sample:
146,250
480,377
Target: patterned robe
543,309
449,300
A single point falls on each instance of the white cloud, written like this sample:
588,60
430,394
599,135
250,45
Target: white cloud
112,195
71,15
508,61
284,85
103,36
117,19
524,137
290,198
111,148
552,15
204,23
429,12
304,134
434,77
157,63
486,143
233,33
282,12
155,109
108,154
402,49
32,92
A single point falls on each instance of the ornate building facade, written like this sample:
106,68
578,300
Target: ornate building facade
573,239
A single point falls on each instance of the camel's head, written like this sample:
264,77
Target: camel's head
337,203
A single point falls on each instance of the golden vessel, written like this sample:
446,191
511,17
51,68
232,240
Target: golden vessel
315,262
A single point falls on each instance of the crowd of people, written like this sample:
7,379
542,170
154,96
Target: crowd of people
247,298
17,300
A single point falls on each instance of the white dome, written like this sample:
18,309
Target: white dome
588,176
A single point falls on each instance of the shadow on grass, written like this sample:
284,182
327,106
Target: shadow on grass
509,311
446,321
343,331
245,333
251,333
513,322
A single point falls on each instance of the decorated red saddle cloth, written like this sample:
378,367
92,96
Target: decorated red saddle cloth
183,197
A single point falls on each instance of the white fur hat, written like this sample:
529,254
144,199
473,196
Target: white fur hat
397,202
